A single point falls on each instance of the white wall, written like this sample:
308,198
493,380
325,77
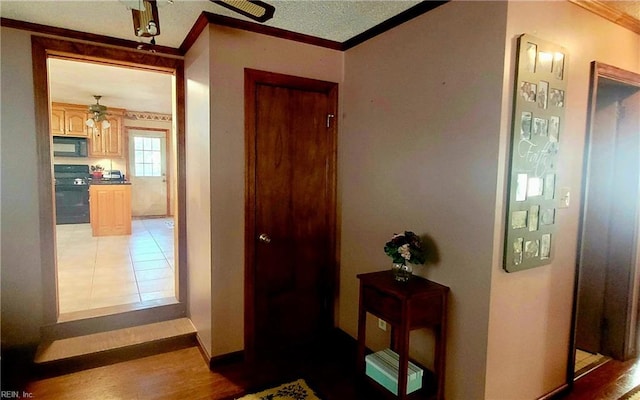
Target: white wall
418,151
530,317
198,199
20,226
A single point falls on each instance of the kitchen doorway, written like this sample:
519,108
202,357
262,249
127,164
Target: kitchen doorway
89,275
607,282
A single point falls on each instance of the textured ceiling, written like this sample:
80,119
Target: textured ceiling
75,82
332,20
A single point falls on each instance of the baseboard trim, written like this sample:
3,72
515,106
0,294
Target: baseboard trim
226,359
562,390
239,356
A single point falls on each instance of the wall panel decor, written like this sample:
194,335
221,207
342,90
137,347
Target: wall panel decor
538,122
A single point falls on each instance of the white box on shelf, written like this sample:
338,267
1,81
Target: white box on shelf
382,366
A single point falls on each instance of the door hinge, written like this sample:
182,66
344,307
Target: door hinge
329,117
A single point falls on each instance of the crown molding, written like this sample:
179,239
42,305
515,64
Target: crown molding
604,10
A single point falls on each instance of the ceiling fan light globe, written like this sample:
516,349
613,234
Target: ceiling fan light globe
152,28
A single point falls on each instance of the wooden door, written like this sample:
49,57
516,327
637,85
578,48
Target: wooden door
291,211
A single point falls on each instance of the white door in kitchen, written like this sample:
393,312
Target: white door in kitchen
148,172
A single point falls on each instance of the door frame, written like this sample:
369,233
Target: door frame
598,70
169,152
44,47
251,79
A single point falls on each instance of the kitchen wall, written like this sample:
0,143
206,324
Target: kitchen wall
117,163
106,163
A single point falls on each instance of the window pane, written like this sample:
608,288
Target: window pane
155,157
155,144
137,143
138,156
139,169
147,143
156,169
147,159
147,170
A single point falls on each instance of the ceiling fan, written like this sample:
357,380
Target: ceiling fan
146,21
98,113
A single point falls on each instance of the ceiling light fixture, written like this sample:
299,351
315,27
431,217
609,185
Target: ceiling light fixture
146,22
254,9
98,114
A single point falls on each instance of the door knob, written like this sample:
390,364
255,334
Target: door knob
264,238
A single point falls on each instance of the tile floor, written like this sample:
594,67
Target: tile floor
96,272
586,361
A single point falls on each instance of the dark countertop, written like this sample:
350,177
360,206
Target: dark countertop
108,182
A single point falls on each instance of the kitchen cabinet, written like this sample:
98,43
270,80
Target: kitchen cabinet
110,209
68,120
107,142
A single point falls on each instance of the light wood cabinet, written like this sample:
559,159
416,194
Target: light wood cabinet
107,142
110,209
69,120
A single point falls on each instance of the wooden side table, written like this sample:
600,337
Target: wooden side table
418,303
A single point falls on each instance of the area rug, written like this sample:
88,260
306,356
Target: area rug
633,394
297,390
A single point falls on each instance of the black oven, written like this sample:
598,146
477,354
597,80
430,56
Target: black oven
69,146
72,193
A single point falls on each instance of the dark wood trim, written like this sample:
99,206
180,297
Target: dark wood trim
201,23
89,37
45,181
271,31
251,79
554,394
391,23
597,70
207,18
616,74
210,18
179,124
42,48
226,359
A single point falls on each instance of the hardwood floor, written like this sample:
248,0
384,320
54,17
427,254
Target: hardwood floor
184,374
607,382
